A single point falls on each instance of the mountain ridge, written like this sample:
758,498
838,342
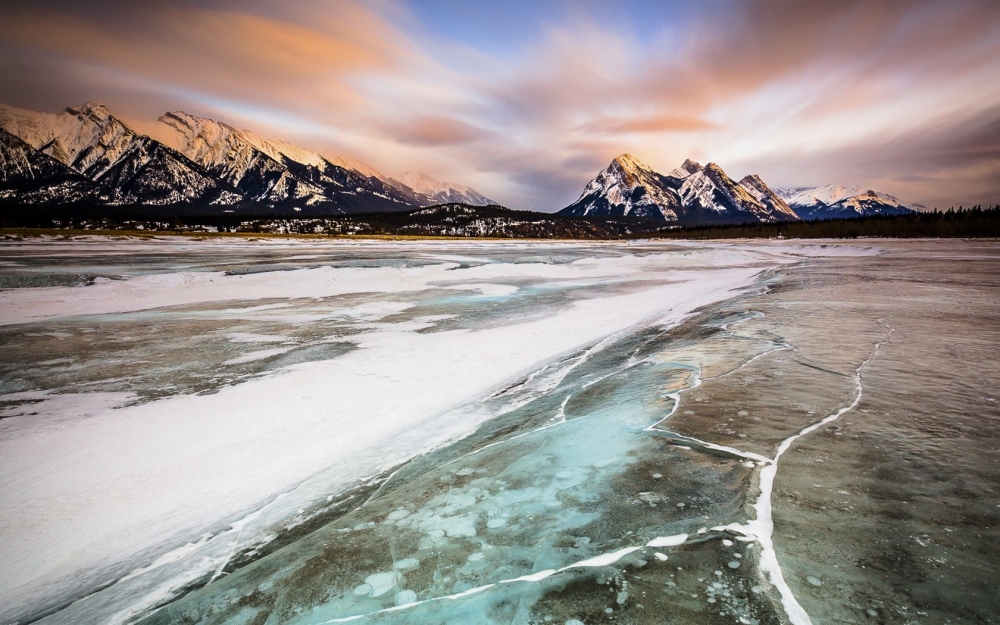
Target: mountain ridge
185,159
832,201
693,194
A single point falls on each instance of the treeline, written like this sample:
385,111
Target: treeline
463,220
962,223
452,220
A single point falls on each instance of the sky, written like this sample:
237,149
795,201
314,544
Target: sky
527,100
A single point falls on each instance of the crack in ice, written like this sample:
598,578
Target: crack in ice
606,559
761,528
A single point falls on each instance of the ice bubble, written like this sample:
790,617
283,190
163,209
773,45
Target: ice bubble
363,589
681,504
465,471
727,543
657,476
380,583
733,564
718,573
476,557
871,612
743,413
396,515
406,564
756,590
622,597
659,556
495,523
608,611
461,527
573,621
564,475
711,599
405,597
814,581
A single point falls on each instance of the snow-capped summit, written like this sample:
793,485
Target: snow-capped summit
767,196
826,194
690,194
627,187
689,167
836,202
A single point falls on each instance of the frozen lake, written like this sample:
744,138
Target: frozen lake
311,432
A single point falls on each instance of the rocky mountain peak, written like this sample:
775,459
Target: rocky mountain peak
629,163
691,166
95,110
713,168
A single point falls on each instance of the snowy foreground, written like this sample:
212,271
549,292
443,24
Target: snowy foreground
310,368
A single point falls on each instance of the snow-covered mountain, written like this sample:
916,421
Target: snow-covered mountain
35,177
690,194
838,202
185,159
441,192
131,168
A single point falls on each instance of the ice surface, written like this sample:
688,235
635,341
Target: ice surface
159,494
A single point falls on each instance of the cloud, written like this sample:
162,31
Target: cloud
881,92
436,131
653,124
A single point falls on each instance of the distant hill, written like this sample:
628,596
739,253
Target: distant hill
838,202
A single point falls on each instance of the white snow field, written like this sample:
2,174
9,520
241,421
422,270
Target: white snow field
120,503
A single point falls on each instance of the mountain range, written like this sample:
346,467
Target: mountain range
694,194
86,156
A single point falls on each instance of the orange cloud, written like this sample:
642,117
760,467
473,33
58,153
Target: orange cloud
234,54
436,131
653,124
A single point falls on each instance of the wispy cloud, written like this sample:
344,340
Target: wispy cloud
898,95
